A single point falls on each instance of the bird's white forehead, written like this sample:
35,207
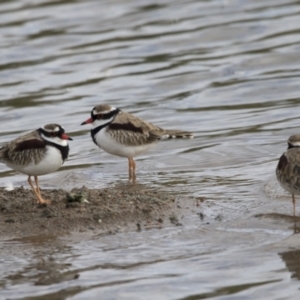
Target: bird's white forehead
295,143
104,111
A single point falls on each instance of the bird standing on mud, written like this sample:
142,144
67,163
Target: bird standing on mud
39,152
123,134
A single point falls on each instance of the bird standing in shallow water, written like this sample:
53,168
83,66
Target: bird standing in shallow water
288,168
123,134
39,152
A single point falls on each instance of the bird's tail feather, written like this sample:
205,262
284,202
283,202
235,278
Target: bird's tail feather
177,134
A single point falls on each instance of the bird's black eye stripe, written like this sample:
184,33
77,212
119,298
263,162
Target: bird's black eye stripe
290,145
52,133
105,116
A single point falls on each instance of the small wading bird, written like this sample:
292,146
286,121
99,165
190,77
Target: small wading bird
288,168
123,134
37,153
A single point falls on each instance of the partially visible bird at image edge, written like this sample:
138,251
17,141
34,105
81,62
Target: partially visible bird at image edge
39,152
288,168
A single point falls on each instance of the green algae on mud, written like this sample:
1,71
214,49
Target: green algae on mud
107,211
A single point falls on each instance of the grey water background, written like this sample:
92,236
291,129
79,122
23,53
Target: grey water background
226,70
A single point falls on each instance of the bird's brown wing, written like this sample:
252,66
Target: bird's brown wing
132,131
288,168
23,150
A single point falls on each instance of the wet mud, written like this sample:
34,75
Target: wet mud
107,211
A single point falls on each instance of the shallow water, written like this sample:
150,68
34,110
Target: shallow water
226,70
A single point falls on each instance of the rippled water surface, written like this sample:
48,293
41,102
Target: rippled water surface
228,70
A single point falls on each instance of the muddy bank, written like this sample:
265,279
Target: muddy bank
106,211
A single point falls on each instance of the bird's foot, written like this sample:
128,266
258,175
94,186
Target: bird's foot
43,201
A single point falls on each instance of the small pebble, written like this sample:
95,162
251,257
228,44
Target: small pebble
9,221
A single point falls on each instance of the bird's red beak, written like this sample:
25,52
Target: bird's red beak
88,121
65,137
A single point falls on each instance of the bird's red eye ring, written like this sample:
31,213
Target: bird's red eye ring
99,116
53,133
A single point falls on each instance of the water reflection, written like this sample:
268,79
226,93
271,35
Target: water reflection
292,261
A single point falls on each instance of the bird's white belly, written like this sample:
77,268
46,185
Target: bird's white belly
51,162
108,144
290,188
